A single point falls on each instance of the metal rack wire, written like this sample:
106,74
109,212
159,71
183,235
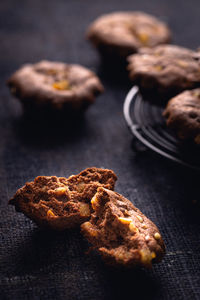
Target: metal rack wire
147,124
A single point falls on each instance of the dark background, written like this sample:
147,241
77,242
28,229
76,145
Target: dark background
41,265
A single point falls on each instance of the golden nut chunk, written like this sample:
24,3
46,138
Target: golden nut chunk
50,213
88,227
157,236
61,190
143,37
94,202
146,256
124,220
133,228
144,226
140,218
84,209
61,85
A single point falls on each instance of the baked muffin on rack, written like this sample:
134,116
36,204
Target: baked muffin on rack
165,70
183,115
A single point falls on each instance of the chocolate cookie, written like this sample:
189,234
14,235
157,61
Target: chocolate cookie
121,233
55,85
165,70
183,115
120,34
59,202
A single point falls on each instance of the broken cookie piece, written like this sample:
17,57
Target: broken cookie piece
59,202
55,86
121,233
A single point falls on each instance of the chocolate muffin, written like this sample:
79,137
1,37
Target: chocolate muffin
121,233
55,86
183,115
58,202
119,34
165,70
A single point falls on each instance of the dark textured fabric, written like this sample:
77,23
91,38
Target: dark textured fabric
45,265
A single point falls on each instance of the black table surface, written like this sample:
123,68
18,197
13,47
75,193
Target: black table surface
44,265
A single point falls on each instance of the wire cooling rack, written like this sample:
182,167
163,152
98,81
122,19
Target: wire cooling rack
147,124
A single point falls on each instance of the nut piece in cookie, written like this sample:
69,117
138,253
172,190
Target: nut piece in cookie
165,70
120,34
183,115
58,202
55,85
121,233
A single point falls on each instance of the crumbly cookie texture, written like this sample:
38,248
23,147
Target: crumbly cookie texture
183,115
121,233
58,202
123,33
165,70
55,85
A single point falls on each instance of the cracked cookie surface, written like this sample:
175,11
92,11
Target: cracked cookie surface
121,233
123,33
55,85
59,202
